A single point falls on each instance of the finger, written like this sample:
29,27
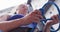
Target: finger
50,22
36,19
55,19
39,16
37,12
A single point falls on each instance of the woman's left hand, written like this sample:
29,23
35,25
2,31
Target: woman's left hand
54,21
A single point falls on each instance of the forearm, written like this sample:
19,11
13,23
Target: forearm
5,26
4,17
47,28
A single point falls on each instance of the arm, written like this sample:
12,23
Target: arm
50,23
8,25
34,16
4,17
47,27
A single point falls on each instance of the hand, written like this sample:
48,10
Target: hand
34,16
54,21
50,23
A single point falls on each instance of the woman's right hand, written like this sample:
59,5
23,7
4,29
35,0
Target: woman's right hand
34,16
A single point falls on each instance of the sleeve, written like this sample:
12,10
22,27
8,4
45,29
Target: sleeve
1,30
16,16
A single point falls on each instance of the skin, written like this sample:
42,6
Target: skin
22,9
4,17
50,23
34,16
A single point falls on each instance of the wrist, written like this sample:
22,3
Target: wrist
48,25
26,21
